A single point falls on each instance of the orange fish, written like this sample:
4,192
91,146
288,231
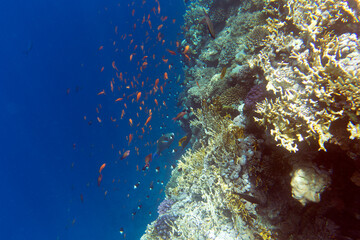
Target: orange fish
174,20
133,12
159,27
161,89
156,83
111,86
147,120
130,138
156,102
102,69
130,122
131,57
102,167
197,83
125,155
179,115
187,57
165,60
138,96
114,67
99,180
148,159
171,52
122,113
165,76
102,92
186,49
101,47
99,120
118,100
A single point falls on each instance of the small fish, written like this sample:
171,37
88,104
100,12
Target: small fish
148,159
114,67
179,115
147,120
182,140
159,27
223,72
171,52
101,48
99,180
209,24
138,96
166,76
125,155
118,100
186,49
130,138
102,167
102,92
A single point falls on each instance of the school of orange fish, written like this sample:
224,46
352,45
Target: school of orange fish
136,88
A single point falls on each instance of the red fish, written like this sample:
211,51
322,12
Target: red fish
125,155
101,47
180,115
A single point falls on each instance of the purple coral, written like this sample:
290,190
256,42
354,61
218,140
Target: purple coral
165,206
162,226
256,94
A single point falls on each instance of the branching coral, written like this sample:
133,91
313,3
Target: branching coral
313,86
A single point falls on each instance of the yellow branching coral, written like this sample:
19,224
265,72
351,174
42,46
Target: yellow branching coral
316,85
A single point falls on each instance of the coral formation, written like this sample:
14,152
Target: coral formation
293,68
307,184
314,86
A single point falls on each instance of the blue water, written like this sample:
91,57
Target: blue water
50,156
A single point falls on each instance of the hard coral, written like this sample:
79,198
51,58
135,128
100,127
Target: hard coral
232,95
163,226
314,86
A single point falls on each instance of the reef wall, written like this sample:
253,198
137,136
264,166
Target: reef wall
272,93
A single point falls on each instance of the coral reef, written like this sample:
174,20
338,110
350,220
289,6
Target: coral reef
254,170
314,85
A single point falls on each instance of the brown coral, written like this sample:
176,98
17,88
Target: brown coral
232,95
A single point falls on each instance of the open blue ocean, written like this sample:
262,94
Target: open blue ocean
63,66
